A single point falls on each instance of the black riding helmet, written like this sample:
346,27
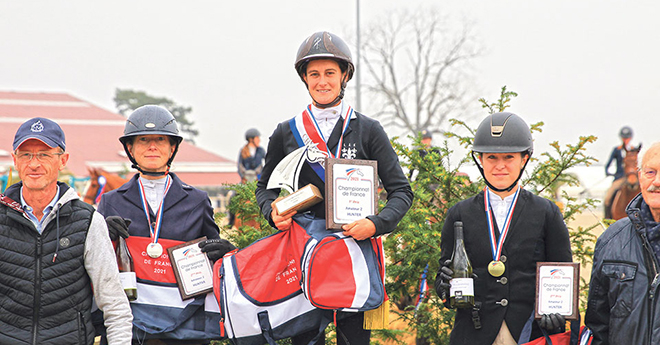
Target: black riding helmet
324,45
150,119
502,133
625,132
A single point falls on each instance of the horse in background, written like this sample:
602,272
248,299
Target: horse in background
101,181
625,188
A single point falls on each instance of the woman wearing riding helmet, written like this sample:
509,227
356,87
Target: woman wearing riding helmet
617,157
325,66
507,230
251,157
163,212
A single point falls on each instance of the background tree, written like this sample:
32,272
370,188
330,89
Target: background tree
128,100
417,67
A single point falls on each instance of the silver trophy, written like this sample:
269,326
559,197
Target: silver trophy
286,175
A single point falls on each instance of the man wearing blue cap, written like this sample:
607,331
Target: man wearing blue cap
55,252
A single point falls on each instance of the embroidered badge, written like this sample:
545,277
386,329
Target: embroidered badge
37,127
348,151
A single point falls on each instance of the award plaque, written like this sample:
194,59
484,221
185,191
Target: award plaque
285,176
351,187
557,285
300,200
192,269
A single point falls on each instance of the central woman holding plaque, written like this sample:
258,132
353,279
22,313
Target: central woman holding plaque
507,230
164,212
329,124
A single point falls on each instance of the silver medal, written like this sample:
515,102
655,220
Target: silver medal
154,250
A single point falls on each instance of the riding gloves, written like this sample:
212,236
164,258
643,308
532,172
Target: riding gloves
553,322
117,226
442,281
216,248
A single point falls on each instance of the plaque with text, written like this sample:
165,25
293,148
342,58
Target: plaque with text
351,187
192,269
299,200
557,286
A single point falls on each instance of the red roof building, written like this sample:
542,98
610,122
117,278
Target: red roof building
92,139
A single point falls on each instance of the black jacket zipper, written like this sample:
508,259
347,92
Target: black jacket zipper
649,256
37,290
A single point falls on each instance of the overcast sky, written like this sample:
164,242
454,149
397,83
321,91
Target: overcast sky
582,67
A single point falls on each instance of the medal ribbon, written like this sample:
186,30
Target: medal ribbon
306,131
145,205
312,127
495,244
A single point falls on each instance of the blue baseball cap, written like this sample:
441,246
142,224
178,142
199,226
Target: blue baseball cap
426,134
42,129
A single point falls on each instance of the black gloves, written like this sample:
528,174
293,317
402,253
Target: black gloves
552,322
442,281
216,248
117,226
442,284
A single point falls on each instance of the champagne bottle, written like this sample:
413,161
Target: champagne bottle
126,269
461,292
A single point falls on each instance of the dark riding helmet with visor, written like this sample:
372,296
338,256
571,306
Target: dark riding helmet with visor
502,133
252,133
150,119
324,45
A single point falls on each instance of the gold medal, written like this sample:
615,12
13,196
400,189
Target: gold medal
496,268
154,250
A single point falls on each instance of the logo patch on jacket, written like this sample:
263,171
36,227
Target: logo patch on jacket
65,242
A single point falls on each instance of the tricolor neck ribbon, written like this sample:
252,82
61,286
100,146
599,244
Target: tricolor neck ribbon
307,126
312,126
306,131
154,232
496,244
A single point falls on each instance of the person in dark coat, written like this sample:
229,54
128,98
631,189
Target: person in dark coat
163,212
527,228
424,150
623,305
618,154
251,157
324,64
55,254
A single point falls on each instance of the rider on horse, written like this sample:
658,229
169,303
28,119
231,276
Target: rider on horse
618,156
619,152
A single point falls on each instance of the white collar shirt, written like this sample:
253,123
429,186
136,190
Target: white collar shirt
154,191
327,119
500,208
